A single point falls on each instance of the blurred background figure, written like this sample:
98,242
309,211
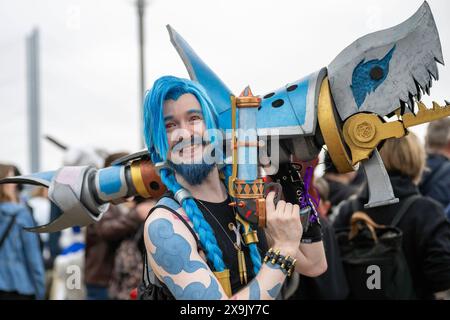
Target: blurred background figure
21,264
68,247
340,185
332,284
121,222
426,231
323,189
128,268
68,281
40,206
436,179
73,156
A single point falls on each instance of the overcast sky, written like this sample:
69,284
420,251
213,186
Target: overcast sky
89,57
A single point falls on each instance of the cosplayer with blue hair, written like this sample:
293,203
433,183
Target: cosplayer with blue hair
172,88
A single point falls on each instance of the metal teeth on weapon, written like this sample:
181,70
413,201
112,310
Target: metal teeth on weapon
425,114
418,89
436,106
402,107
411,104
434,77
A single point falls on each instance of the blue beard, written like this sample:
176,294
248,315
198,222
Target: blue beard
194,174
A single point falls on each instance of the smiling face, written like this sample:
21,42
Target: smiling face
185,127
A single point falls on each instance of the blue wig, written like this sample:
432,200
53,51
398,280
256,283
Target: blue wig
169,87
165,88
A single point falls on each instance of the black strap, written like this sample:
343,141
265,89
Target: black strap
355,204
144,255
400,213
182,220
8,229
405,206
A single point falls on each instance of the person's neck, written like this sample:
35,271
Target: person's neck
211,189
445,152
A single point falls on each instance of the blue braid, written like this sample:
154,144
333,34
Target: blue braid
256,257
254,251
169,87
201,226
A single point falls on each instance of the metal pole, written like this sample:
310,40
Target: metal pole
141,8
33,87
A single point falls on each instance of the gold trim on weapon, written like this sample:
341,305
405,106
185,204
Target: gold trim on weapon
233,148
138,182
363,132
246,190
426,115
250,237
247,99
330,130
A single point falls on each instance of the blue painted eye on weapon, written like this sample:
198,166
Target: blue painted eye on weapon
368,76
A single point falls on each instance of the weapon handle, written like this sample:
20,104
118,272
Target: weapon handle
273,186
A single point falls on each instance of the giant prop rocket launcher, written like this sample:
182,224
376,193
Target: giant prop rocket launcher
343,106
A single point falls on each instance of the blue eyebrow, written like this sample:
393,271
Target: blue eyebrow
167,118
195,111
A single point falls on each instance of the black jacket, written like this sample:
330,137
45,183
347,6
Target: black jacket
426,235
436,181
339,191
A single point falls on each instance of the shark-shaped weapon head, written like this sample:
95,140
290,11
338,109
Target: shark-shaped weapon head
387,69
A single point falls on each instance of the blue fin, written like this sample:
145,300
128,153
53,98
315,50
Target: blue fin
200,72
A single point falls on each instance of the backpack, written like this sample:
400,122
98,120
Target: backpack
373,258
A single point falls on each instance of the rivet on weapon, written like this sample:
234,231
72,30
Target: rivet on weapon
261,143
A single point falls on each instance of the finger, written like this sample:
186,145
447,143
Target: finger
270,205
288,209
296,209
280,206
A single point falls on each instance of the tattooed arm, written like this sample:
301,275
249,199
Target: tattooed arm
173,256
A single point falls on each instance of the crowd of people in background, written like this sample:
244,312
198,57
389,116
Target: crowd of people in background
108,254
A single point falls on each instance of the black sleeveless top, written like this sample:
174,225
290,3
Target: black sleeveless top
223,215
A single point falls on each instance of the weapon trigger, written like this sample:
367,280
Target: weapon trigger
273,186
